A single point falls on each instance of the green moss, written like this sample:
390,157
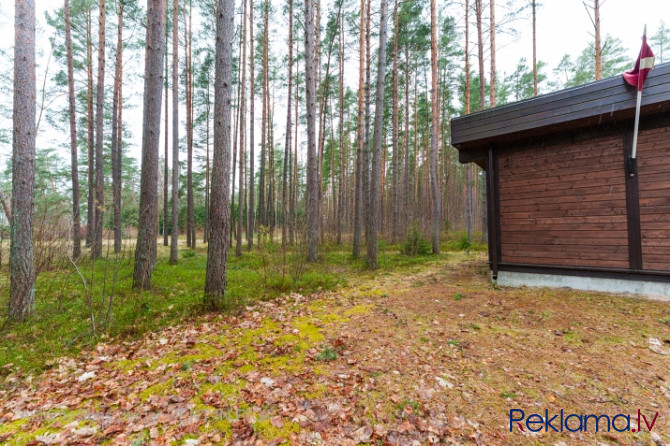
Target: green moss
160,388
12,426
332,318
201,351
358,309
23,438
320,370
266,431
290,364
227,390
224,427
308,331
126,365
246,368
372,293
267,327
287,339
319,390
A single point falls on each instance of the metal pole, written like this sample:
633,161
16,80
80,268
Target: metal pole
637,123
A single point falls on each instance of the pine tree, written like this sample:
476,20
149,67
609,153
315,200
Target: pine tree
21,257
435,190
312,192
76,226
96,251
251,217
374,210
117,125
535,80
287,144
174,239
360,144
153,85
216,278
661,41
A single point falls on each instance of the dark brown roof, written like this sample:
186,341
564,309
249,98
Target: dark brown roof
587,105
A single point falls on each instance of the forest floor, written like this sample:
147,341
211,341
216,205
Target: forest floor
435,354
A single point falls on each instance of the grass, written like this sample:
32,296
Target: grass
61,323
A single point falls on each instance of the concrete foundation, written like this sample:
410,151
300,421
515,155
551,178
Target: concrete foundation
651,290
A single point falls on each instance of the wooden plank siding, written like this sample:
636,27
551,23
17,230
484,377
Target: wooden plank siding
654,186
564,204
587,105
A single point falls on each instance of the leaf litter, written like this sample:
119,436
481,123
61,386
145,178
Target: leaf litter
433,356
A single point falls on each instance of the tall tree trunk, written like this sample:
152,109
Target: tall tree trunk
262,193
340,186
480,54
96,252
166,177
90,217
312,190
269,146
323,95
153,84
492,104
287,145
294,174
493,54
598,45
415,179
406,174
7,207
251,209
271,168
76,225
215,281
174,238
435,111
534,6
116,142
21,257
360,146
373,216
467,57
394,156
368,83
237,125
468,170
205,238
119,138
242,124
188,86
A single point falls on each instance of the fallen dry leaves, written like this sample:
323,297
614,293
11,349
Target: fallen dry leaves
436,356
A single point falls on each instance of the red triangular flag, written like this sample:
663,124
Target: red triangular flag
643,64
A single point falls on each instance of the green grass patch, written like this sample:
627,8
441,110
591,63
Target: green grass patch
61,324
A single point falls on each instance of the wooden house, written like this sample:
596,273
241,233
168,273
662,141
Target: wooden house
563,210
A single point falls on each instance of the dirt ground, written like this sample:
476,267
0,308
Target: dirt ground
434,355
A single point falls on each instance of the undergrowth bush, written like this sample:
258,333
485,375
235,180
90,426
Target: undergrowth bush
415,242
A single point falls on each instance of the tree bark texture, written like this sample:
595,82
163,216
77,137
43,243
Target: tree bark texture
74,154
153,85
96,251
21,256
174,237
216,279
312,211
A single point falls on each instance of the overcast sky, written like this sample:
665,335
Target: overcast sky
564,27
